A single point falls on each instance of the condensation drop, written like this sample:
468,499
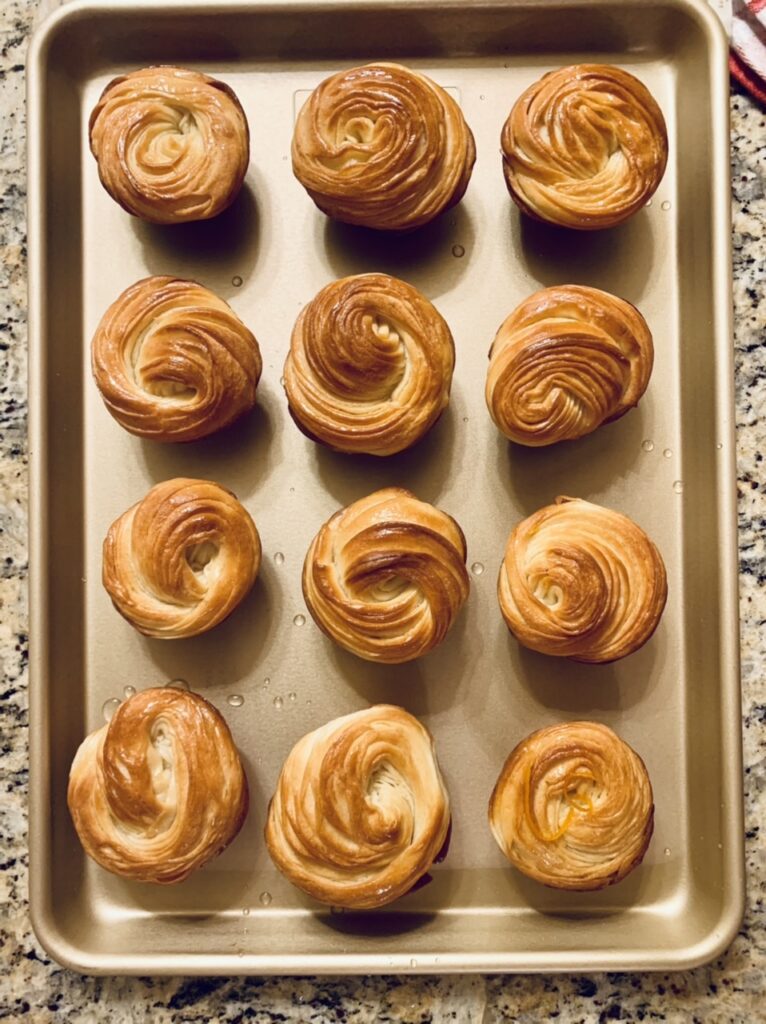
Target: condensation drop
236,700
665,205
279,558
458,250
299,620
292,697
413,962
237,281
282,381
129,691
477,568
648,202
265,899
678,486
465,419
481,97
719,446
109,708
648,445
241,955
667,453
278,702
266,682
292,490
666,851
308,703
177,684
246,911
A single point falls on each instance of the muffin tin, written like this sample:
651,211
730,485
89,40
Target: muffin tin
669,465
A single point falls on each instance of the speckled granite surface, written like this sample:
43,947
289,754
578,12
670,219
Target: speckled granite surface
35,989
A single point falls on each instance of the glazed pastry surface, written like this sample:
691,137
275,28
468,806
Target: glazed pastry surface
181,559
584,147
360,812
382,146
566,360
573,807
172,145
386,577
581,581
173,362
160,790
370,365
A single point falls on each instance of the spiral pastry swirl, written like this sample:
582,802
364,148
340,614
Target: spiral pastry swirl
173,362
160,790
581,581
360,812
584,147
181,559
385,577
382,146
171,145
565,361
573,807
370,365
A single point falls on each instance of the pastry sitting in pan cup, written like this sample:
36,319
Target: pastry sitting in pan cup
173,361
172,145
360,811
385,577
567,360
382,146
179,561
573,807
581,581
584,147
370,365
160,790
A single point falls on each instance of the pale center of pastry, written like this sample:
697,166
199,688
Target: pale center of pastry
548,592
384,331
358,130
199,556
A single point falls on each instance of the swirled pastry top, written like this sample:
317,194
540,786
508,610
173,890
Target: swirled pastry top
382,146
171,145
173,362
370,365
565,361
386,577
360,811
581,581
160,790
573,807
584,147
181,559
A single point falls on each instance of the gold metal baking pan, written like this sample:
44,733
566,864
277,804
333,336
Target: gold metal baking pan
669,465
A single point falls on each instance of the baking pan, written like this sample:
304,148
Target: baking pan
669,465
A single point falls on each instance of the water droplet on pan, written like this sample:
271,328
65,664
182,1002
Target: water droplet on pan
265,899
236,700
237,281
109,708
129,691
299,620
648,445
458,251
667,453
292,697
678,486
665,205
477,568
279,558
278,702
177,684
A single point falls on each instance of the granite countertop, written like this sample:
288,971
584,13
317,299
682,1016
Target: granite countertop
35,989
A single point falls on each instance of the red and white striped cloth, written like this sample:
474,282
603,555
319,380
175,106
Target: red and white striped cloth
748,46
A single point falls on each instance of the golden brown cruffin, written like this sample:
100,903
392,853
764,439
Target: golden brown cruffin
360,812
581,581
173,362
181,559
370,365
584,147
171,145
573,807
565,361
386,577
382,146
160,790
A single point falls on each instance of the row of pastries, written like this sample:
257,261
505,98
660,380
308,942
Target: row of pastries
361,811
370,364
384,146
